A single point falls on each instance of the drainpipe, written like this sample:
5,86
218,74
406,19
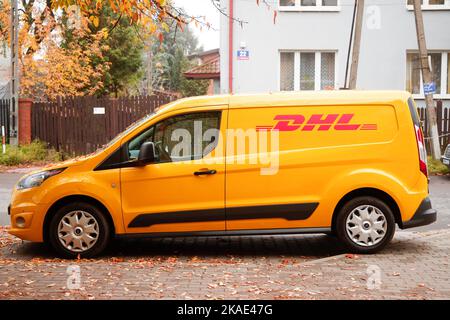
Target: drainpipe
230,47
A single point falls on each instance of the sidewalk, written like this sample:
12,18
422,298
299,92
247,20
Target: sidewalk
415,266
24,169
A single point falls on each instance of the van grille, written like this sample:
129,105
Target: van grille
447,152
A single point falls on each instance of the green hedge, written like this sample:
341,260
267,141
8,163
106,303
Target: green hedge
35,152
437,167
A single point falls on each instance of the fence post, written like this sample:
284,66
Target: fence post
3,140
25,106
439,121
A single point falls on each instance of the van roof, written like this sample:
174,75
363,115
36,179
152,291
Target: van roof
328,97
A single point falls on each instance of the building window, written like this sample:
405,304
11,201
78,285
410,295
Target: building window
439,67
327,71
448,73
287,71
413,73
287,3
306,70
430,4
309,5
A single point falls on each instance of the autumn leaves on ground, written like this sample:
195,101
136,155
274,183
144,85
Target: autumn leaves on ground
205,268
230,268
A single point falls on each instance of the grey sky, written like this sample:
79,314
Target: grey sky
209,39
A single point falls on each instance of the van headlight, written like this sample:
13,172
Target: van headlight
35,180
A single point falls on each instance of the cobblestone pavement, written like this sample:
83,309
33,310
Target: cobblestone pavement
414,266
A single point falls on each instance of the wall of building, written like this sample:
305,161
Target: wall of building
5,72
5,65
388,32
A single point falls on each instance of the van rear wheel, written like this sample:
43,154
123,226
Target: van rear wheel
365,224
79,229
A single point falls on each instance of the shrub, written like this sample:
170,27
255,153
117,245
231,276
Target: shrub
436,167
34,152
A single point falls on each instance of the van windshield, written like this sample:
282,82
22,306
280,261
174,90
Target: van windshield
127,130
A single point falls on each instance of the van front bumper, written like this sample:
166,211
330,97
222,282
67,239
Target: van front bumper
424,215
27,221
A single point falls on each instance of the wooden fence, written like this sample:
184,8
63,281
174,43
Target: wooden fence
4,117
80,125
443,124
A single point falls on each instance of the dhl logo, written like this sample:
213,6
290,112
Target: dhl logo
323,122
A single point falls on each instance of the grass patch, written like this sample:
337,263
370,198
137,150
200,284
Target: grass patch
33,153
436,167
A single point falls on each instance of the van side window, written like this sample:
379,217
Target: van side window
184,137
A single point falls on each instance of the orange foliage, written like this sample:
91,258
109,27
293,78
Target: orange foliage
135,10
5,7
64,71
151,15
48,70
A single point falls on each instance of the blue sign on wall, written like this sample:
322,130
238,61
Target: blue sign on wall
429,88
243,54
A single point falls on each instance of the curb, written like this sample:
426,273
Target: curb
24,170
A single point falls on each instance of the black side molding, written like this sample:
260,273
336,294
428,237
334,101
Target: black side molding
149,219
220,233
424,215
300,211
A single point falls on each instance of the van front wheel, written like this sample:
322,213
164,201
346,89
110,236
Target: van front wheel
365,224
79,229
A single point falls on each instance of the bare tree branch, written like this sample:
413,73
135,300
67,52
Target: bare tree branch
216,4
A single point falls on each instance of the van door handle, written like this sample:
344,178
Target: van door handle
204,172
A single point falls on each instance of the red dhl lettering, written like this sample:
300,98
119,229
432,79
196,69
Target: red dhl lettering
320,122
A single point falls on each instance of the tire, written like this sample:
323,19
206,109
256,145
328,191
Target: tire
86,237
365,224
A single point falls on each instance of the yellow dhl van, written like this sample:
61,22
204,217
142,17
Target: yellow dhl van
348,163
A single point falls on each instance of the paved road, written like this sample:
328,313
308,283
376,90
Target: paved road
440,199
439,192
7,182
413,266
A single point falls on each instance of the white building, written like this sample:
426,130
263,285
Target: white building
5,72
307,46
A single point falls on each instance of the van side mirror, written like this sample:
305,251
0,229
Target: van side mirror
146,153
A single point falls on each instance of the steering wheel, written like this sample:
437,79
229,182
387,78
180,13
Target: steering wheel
164,156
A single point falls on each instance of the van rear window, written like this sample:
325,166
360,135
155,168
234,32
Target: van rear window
413,111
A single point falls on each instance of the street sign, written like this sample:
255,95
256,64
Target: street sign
429,88
243,54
